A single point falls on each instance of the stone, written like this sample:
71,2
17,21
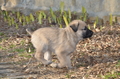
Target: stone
118,19
105,19
98,8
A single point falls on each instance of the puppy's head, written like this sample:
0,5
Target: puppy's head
80,28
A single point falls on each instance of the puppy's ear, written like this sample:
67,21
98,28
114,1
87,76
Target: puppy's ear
74,27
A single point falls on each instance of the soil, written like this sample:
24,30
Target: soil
97,57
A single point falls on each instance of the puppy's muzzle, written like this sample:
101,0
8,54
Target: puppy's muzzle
87,34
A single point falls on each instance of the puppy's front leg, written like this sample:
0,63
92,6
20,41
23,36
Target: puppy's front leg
68,62
64,61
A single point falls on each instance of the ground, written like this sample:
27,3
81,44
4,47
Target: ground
95,58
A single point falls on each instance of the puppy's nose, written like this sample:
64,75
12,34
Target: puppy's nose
90,33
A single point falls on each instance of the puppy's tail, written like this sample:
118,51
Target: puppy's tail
29,31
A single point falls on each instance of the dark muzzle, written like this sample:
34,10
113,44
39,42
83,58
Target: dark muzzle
87,34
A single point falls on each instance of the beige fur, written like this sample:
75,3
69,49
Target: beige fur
61,41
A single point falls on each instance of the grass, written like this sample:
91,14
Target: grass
24,54
95,23
22,42
18,47
119,41
65,20
12,45
32,17
4,39
54,18
84,14
2,48
40,18
19,50
111,76
68,75
111,19
118,64
1,34
60,17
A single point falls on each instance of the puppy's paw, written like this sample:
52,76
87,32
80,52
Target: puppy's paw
69,68
54,65
49,62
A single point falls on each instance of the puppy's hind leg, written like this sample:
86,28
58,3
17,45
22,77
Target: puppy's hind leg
39,55
47,56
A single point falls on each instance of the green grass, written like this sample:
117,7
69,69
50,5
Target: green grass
2,48
111,76
111,19
1,34
32,17
119,41
68,75
25,54
40,18
118,64
19,50
0,39
12,46
4,39
57,17
95,23
22,42
60,17
65,20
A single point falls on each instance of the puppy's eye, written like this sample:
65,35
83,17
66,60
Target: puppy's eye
84,28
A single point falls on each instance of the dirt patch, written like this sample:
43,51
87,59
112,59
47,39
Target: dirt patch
94,58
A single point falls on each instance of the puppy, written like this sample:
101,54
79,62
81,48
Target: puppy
61,41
